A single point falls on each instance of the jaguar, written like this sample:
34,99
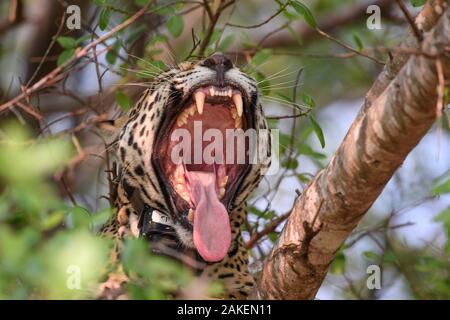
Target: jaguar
192,209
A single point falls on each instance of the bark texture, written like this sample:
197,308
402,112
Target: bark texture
387,128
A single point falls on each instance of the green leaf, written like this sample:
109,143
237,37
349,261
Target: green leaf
111,55
284,97
157,66
291,164
305,12
358,42
308,100
372,256
263,83
261,56
52,220
175,25
295,35
317,130
105,15
164,11
123,100
67,42
141,3
83,38
338,265
79,217
100,2
214,36
273,236
65,55
308,151
226,43
442,188
159,38
390,257
418,3
444,217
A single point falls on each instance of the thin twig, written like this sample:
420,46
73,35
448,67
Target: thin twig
410,19
78,54
342,44
270,227
52,43
261,23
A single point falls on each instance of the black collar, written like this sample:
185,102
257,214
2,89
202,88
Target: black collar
163,239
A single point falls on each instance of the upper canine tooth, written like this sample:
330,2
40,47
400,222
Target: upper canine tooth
199,100
237,99
229,93
212,91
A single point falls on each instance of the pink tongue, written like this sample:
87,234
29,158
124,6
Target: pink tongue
212,232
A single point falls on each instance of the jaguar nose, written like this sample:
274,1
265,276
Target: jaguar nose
220,64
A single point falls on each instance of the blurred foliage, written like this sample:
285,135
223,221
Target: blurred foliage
48,248
46,240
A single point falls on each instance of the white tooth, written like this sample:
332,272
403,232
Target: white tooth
200,101
237,99
221,192
229,93
224,181
190,215
212,92
191,110
180,121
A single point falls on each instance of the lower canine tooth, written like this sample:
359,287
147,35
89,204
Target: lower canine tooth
238,123
224,181
221,193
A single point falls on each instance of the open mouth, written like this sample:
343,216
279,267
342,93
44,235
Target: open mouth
203,178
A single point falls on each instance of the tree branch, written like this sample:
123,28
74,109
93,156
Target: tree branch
43,82
380,138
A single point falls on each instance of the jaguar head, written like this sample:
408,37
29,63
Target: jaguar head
206,151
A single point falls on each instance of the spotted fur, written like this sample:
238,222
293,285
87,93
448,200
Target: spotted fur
138,177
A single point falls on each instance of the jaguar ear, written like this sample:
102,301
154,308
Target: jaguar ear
186,65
